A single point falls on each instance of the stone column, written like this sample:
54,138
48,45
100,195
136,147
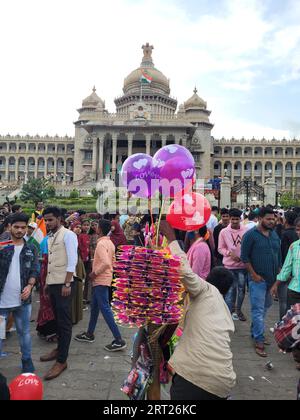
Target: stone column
263,173
294,179
101,158
243,170
114,156
225,199
36,168
26,171
95,153
163,140
184,140
130,144
55,169
17,169
148,144
270,192
6,168
283,175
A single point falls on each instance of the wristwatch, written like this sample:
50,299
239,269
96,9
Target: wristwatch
67,285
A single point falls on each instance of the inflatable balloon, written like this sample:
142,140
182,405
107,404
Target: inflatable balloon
26,386
189,211
137,175
174,165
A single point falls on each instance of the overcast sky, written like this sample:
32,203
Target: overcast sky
243,56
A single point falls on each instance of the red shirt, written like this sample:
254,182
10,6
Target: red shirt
84,246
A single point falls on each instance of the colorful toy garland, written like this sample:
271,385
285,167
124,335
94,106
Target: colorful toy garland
148,287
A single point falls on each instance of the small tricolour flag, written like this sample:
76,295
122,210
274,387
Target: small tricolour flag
39,233
146,78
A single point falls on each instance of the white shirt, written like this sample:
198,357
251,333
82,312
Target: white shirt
250,225
212,223
11,295
71,244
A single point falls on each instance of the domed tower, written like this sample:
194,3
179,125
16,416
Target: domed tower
149,85
195,110
93,103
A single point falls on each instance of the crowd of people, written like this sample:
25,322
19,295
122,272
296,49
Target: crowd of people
255,250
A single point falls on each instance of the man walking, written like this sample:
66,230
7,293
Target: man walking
225,220
19,269
101,281
261,254
230,241
62,261
289,236
291,271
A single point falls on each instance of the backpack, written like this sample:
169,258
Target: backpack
287,331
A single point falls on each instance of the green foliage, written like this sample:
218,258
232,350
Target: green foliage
95,193
74,194
288,200
36,190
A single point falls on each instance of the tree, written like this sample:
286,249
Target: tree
287,200
74,194
95,193
37,190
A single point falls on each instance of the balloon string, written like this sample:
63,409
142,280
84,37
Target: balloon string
159,220
151,214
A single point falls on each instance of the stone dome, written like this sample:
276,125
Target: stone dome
159,80
195,102
93,101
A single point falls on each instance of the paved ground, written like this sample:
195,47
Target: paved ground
95,374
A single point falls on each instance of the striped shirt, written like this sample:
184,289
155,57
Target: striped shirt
291,268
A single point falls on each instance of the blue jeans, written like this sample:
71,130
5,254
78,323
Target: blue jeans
261,301
21,316
100,302
238,288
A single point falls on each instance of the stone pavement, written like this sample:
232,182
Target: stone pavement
95,374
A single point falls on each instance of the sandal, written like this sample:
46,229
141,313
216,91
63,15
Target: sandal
260,350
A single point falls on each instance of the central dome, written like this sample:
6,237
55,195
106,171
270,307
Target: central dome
159,82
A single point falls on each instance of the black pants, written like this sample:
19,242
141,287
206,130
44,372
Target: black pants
62,308
293,298
183,390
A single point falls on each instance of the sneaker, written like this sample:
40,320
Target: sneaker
116,345
27,366
235,317
85,337
241,316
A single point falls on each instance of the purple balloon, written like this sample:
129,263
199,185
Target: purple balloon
174,165
137,174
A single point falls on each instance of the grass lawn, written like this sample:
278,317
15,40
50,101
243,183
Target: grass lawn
87,204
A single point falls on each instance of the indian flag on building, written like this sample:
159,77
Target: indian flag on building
146,78
39,233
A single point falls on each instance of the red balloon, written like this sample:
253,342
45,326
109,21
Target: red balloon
189,211
25,387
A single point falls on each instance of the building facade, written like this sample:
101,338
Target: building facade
147,117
